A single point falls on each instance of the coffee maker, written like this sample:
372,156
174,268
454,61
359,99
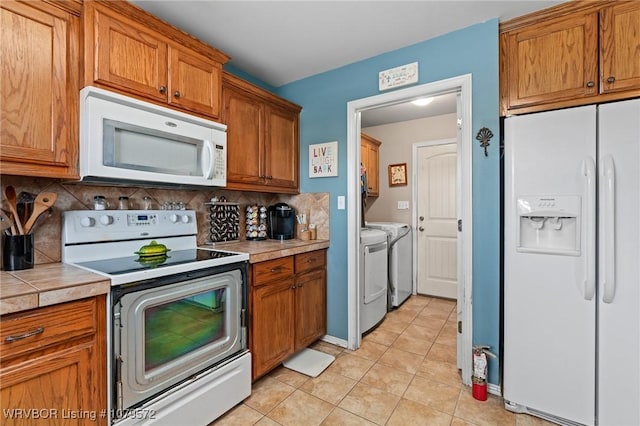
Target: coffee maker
282,219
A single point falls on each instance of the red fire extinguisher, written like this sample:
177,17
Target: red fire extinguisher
479,377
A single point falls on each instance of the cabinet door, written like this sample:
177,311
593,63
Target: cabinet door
553,61
39,90
311,307
54,385
370,154
244,117
194,82
272,325
129,57
374,165
281,148
620,47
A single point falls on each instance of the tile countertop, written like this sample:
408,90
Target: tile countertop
47,284
259,251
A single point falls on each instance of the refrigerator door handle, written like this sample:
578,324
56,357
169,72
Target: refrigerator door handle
609,227
589,172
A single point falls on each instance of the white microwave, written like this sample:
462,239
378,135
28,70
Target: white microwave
125,140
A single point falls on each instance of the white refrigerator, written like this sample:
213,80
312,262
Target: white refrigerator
572,264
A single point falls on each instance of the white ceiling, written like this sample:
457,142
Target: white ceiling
280,42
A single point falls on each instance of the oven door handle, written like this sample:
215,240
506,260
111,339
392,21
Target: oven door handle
119,394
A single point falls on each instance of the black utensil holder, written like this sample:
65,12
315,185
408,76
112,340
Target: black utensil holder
17,252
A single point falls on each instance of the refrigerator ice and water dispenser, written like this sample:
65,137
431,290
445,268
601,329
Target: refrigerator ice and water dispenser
548,224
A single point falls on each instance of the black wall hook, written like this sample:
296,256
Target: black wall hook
484,135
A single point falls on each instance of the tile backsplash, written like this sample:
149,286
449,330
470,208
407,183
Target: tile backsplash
73,196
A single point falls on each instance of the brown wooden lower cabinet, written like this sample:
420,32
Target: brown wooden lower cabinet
311,312
288,308
57,373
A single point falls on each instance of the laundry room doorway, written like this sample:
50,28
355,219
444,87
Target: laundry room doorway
462,86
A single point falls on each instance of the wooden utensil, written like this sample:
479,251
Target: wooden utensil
24,205
10,194
43,201
40,219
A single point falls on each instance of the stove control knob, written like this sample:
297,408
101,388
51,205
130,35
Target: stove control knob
106,219
173,218
185,219
87,222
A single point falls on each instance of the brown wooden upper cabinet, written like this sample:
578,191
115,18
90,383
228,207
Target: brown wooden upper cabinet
39,91
128,50
262,138
573,54
370,159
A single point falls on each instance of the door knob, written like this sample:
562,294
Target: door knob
421,229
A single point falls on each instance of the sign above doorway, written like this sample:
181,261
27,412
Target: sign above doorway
398,76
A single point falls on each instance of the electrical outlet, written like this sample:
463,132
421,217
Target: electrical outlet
403,205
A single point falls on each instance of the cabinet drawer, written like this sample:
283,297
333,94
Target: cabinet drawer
272,270
310,260
36,329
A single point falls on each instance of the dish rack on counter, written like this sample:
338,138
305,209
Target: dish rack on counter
224,221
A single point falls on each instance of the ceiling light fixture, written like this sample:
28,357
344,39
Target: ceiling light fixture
422,101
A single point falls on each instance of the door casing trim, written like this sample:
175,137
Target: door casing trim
461,84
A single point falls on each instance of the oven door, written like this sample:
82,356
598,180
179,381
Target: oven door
165,333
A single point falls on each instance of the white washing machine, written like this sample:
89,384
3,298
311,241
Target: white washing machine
373,277
400,262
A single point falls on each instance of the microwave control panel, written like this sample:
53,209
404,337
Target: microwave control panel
219,162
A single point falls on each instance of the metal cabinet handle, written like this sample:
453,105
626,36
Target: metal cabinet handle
293,287
269,177
421,218
276,269
421,229
311,260
176,94
10,339
300,285
611,79
163,89
591,84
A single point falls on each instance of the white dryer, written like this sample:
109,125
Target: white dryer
373,277
400,262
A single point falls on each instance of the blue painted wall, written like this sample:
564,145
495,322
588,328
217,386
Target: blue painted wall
324,97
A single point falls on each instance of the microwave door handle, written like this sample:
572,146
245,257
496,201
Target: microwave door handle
207,159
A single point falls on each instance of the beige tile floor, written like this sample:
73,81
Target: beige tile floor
404,373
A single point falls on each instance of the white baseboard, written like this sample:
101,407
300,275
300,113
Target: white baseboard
494,389
334,341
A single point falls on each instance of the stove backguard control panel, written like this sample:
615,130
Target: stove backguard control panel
83,226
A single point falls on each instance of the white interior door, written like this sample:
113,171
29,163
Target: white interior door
437,257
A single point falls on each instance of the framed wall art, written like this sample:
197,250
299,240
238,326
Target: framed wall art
323,159
398,174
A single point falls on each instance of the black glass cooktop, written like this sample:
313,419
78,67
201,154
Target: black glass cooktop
129,264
